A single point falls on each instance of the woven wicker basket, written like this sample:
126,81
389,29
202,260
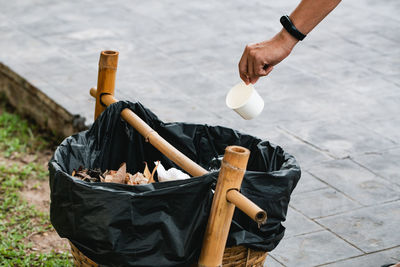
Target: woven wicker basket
243,257
237,256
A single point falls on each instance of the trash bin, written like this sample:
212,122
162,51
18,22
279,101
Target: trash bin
161,224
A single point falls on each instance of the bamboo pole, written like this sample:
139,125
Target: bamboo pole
106,78
247,206
230,177
162,145
155,139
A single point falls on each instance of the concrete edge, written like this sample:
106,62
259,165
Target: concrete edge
30,101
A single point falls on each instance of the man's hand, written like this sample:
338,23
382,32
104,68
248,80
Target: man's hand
259,59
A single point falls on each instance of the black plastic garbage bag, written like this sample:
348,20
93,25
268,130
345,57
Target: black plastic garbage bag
161,224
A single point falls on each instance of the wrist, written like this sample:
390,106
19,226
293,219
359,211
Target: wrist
286,40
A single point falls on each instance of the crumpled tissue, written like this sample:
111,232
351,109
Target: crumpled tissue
171,174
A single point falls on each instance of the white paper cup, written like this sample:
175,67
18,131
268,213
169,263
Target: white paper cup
245,100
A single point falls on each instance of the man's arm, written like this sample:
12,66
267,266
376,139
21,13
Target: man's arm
255,56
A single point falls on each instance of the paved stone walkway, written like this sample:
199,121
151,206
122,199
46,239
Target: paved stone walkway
334,103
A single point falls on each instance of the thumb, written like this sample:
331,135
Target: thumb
264,69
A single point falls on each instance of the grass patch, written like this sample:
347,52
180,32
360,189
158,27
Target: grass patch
16,135
19,135
18,219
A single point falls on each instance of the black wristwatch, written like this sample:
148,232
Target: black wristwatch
290,28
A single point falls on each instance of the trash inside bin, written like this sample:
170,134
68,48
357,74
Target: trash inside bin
161,224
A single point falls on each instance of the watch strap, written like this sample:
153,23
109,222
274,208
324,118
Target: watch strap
290,28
